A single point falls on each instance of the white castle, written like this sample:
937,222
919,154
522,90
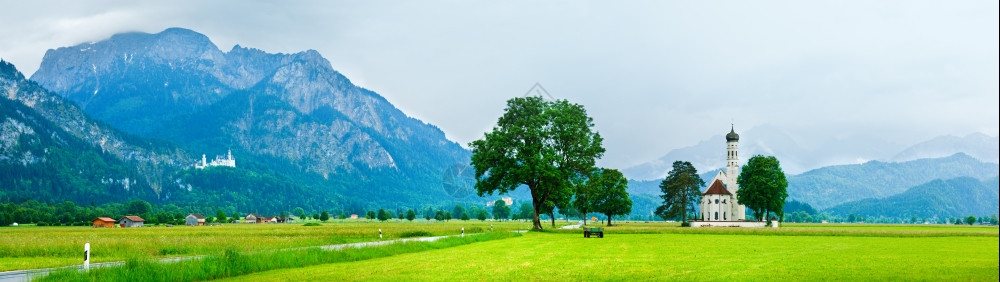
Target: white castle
226,160
717,203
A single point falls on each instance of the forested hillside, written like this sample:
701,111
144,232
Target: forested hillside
957,197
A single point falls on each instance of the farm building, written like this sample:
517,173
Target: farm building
194,219
131,221
253,218
104,222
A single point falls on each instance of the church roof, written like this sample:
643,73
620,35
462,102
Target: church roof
732,136
717,189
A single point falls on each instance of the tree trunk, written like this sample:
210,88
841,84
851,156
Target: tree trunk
552,216
609,219
536,222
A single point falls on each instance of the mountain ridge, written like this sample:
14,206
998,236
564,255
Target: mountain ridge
305,80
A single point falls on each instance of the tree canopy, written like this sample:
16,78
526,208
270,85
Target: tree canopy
610,195
681,191
500,210
762,186
538,144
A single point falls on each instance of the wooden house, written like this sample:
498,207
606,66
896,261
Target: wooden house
131,221
104,222
194,219
253,218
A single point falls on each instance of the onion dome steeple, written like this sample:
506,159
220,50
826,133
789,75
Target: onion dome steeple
732,136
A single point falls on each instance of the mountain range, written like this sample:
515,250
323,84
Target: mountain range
833,185
284,115
799,154
938,198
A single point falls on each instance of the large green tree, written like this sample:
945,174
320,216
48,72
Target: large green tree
762,186
681,191
611,195
584,193
500,210
538,144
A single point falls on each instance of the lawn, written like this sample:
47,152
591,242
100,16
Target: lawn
684,256
29,247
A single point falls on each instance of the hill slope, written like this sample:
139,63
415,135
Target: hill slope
834,185
956,197
51,151
977,145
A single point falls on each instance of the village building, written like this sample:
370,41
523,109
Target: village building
252,218
194,219
131,221
226,160
104,222
506,200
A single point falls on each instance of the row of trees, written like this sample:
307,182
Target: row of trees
549,148
69,213
803,216
762,189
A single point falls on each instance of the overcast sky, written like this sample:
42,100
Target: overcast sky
654,75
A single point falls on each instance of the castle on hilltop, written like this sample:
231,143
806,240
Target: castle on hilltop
226,160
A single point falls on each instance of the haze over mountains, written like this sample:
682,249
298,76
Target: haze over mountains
303,134
799,154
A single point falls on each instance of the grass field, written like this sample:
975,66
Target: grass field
28,247
631,250
556,256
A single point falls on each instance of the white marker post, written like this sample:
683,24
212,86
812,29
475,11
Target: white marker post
380,233
86,257
463,231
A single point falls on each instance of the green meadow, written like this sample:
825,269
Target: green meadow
680,256
29,247
630,250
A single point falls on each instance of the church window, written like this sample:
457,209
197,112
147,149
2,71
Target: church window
723,215
716,215
723,201
717,201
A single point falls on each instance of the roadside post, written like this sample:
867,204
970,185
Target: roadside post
463,231
380,233
86,257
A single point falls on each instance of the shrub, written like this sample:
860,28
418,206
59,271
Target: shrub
416,233
311,224
685,224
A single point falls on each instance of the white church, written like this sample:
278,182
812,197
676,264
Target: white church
719,205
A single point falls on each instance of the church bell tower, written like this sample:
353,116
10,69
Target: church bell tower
733,171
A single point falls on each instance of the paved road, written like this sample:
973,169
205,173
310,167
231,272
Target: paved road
26,275
575,226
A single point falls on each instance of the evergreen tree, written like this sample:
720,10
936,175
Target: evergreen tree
681,191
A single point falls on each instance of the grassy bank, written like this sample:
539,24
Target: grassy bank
233,263
556,256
